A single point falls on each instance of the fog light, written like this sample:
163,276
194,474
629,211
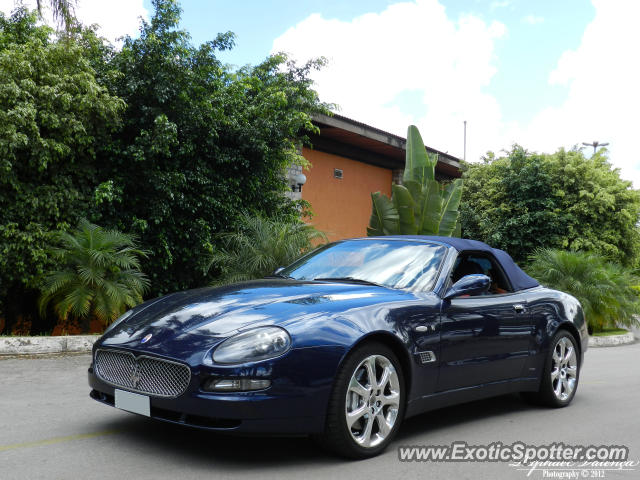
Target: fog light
235,384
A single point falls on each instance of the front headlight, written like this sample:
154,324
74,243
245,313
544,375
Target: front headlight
119,320
253,345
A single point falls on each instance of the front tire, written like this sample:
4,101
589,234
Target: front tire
367,404
561,373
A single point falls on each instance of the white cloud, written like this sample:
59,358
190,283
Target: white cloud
533,19
115,17
414,47
603,103
408,47
499,4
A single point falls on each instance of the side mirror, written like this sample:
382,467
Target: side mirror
469,285
278,270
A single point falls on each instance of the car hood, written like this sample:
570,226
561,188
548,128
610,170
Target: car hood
209,315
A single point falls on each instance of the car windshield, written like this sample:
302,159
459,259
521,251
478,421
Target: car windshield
391,263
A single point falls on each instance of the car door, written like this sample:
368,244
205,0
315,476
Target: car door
483,339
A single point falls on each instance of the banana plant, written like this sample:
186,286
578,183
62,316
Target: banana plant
422,205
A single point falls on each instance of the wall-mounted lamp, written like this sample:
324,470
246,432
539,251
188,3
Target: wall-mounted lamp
298,180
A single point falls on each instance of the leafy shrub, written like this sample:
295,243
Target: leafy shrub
100,276
604,289
261,245
54,116
523,201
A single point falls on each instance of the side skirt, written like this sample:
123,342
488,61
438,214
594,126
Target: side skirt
469,394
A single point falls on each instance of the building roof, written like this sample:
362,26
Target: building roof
349,138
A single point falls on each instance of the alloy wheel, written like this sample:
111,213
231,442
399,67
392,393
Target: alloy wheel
564,369
372,401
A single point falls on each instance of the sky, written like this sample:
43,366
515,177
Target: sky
544,74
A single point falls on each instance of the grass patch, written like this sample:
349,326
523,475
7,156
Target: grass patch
610,331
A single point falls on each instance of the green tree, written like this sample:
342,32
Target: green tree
524,201
53,115
159,139
261,245
200,144
604,289
421,205
99,277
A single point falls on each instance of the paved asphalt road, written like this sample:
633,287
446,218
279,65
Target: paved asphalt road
51,429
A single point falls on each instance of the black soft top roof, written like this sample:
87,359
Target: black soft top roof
519,280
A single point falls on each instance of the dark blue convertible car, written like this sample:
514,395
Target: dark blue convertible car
346,343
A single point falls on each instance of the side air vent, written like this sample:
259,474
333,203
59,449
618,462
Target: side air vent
427,357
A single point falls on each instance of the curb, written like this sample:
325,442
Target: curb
612,340
43,345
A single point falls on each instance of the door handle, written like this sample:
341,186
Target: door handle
518,307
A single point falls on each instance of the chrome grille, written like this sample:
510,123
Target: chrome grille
143,374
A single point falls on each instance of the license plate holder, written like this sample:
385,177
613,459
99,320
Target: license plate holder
133,402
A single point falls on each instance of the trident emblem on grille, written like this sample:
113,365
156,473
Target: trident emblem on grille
135,375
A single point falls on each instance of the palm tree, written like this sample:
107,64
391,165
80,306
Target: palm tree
99,277
63,11
260,246
604,289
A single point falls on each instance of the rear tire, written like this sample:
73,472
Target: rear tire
561,373
367,403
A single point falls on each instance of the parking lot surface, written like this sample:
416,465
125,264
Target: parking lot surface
51,429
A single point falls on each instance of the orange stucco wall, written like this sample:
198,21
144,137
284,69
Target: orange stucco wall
342,207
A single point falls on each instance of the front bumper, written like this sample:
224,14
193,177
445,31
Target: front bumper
295,403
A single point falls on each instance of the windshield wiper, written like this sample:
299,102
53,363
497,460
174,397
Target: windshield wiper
279,275
348,279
